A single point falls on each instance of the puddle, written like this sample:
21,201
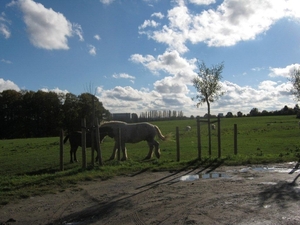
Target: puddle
213,175
269,169
269,183
203,176
189,177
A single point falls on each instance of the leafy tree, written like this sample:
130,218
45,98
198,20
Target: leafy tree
10,109
209,88
86,108
239,114
41,114
71,118
229,115
254,112
295,80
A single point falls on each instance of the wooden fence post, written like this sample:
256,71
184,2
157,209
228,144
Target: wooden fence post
199,139
61,150
93,145
177,144
235,139
83,141
98,144
219,137
119,144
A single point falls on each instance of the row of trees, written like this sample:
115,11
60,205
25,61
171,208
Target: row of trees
26,114
161,114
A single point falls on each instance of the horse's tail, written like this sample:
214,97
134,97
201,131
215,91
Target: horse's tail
66,138
160,135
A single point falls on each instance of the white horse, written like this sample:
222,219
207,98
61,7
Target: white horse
134,133
213,126
188,128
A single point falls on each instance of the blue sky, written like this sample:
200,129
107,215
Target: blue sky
140,55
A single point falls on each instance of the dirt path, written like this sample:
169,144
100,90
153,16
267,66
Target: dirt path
225,195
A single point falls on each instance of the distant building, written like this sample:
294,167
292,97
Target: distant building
125,117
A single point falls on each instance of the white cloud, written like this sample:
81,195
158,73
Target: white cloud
172,94
92,50
8,85
6,61
4,30
268,96
226,25
158,15
171,85
148,23
123,75
106,2
46,28
202,2
120,98
56,90
97,37
231,22
283,72
78,31
170,62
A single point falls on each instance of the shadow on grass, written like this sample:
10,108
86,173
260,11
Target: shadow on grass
41,171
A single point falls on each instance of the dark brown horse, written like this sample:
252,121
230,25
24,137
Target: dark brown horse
75,140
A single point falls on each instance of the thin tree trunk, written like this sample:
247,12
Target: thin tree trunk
209,131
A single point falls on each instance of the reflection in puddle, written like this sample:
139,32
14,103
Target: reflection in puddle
269,169
203,176
189,178
213,175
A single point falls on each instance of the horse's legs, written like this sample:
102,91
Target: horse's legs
71,156
73,152
124,151
157,150
113,156
150,153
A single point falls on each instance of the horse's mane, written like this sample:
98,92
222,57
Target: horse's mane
112,121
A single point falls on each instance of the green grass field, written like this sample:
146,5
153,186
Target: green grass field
31,166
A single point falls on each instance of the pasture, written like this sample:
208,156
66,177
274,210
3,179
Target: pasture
31,166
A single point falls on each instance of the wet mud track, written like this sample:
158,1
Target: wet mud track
212,195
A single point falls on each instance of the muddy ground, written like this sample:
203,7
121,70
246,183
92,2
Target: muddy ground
221,195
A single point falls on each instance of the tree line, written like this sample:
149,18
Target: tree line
25,114
161,114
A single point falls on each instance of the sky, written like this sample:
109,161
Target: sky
141,55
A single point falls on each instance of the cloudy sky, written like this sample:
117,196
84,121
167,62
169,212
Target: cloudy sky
140,55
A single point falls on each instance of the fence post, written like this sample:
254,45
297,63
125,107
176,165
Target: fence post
119,144
61,150
83,141
93,145
98,144
219,137
177,144
235,139
199,139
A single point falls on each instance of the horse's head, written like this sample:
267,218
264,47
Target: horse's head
106,131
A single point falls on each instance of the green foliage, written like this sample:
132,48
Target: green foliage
31,166
295,80
28,114
207,83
